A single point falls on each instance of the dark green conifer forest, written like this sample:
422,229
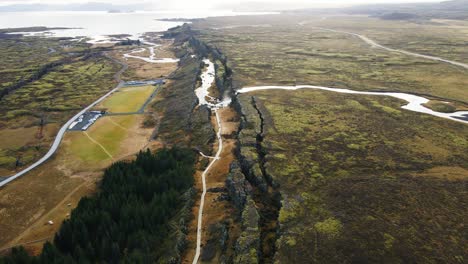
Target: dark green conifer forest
128,218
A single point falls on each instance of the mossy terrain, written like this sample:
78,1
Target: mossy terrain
443,107
359,179
46,81
282,50
23,57
346,173
69,88
183,122
438,37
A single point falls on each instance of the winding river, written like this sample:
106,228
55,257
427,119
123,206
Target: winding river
204,98
152,57
202,92
415,103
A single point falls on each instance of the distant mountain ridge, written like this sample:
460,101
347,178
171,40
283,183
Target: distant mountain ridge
454,9
91,6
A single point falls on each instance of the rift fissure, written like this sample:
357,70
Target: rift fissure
271,203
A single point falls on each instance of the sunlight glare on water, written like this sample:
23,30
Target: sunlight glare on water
98,24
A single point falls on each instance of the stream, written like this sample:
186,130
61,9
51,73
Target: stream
204,98
152,57
415,102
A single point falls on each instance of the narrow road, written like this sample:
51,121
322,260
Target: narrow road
64,128
377,45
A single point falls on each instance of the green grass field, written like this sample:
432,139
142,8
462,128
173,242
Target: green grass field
129,99
109,132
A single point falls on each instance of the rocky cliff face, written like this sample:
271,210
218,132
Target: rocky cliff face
247,247
248,244
238,187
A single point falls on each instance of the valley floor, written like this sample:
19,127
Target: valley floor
351,172
55,187
285,175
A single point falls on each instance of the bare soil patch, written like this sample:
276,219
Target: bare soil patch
216,209
445,173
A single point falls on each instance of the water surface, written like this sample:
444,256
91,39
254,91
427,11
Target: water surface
98,24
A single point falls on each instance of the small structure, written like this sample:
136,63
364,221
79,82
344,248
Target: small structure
84,121
149,82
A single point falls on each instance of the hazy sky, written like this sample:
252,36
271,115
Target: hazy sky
213,3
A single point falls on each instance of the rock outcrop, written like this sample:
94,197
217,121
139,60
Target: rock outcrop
247,248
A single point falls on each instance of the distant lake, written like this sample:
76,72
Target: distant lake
98,24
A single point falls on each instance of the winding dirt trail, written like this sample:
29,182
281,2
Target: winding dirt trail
208,78
202,199
99,144
415,103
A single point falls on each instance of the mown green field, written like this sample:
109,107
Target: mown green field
101,140
129,99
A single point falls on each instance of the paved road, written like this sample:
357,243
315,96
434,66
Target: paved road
377,45
64,128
